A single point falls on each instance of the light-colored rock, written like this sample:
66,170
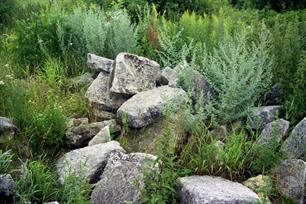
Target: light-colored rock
7,125
290,179
103,103
262,185
74,122
295,144
274,132
79,136
102,137
87,162
168,76
122,179
145,107
213,190
7,188
99,64
259,117
133,74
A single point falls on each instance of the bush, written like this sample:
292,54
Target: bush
7,9
236,64
280,5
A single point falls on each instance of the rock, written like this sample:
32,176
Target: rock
74,122
295,144
168,76
133,74
219,132
274,132
7,188
79,136
290,178
102,137
213,190
145,107
99,64
82,80
103,103
259,117
274,96
87,162
7,125
262,185
122,179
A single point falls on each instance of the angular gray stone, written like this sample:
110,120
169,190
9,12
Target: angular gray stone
79,135
259,117
168,76
213,190
74,122
7,188
7,125
87,162
103,103
145,107
274,132
99,64
133,74
122,179
290,179
295,144
102,137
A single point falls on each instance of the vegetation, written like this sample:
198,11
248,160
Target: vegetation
241,50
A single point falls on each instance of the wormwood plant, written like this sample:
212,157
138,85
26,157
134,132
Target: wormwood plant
240,72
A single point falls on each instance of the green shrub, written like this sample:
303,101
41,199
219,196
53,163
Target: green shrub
280,5
7,9
37,183
236,64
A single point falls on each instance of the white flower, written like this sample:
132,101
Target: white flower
1,83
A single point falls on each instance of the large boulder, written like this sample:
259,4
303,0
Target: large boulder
295,144
213,190
7,125
103,103
7,188
259,117
133,74
145,107
80,134
102,137
274,132
99,64
122,178
290,179
87,162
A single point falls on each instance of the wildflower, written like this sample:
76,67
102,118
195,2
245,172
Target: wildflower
9,76
1,83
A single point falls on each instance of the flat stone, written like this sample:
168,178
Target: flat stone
87,162
145,107
79,135
213,190
168,76
99,64
295,144
274,132
103,103
133,74
122,179
290,179
102,137
259,117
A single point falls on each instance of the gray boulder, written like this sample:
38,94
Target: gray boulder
102,137
122,178
79,135
99,64
274,132
213,190
295,144
145,107
7,188
74,122
103,103
168,76
87,162
133,74
7,125
259,117
290,179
